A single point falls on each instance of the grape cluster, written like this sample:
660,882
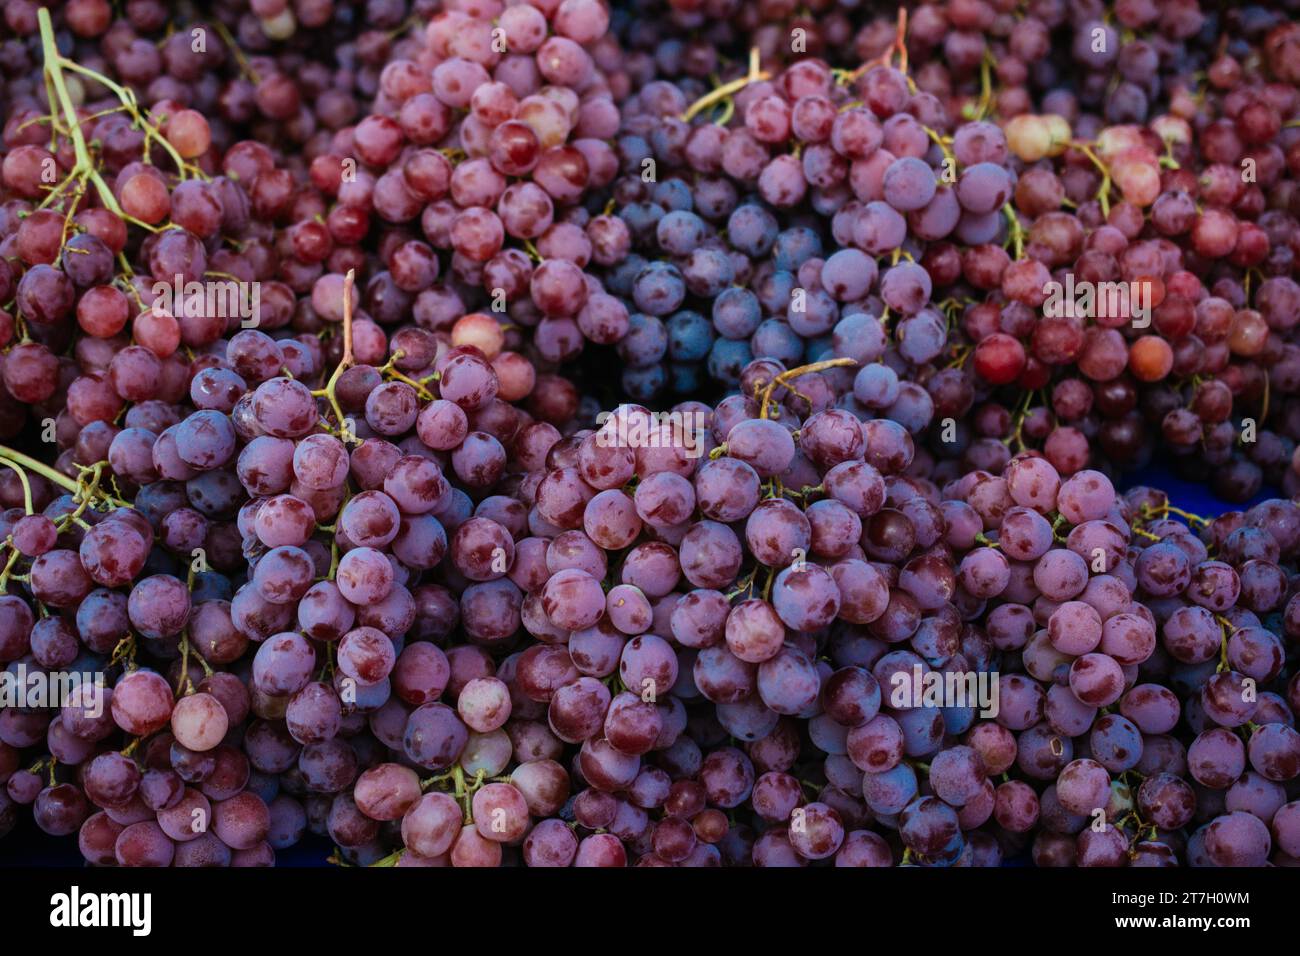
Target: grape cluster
313,455
1092,183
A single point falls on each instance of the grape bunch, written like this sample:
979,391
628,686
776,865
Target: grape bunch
572,433
812,167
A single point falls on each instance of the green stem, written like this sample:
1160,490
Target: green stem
753,75
1017,233
334,559
8,568
54,62
420,389
31,464
151,132
27,487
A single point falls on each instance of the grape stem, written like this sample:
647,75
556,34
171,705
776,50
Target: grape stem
54,61
1226,630
1167,161
743,584
390,860
329,392
326,673
985,102
1103,191
728,111
943,142
960,355
886,59
1263,412
791,374
334,559
1017,437
88,491
1016,232
50,97
1168,509
388,370
27,486
10,457
244,66
185,684
462,792
124,652
804,492
1056,528
9,566
725,90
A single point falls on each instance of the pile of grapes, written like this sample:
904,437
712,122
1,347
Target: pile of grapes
659,433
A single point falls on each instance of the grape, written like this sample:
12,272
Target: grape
143,844
434,736
366,655
1216,758
113,553
111,779
364,576
1283,828
1167,800
909,184
1273,751
983,187
1152,708
314,714
283,664
1226,699
1237,839
957,775
141,702
199,722
1060,575
283,575
1082,786
805,597
929,828
242,821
